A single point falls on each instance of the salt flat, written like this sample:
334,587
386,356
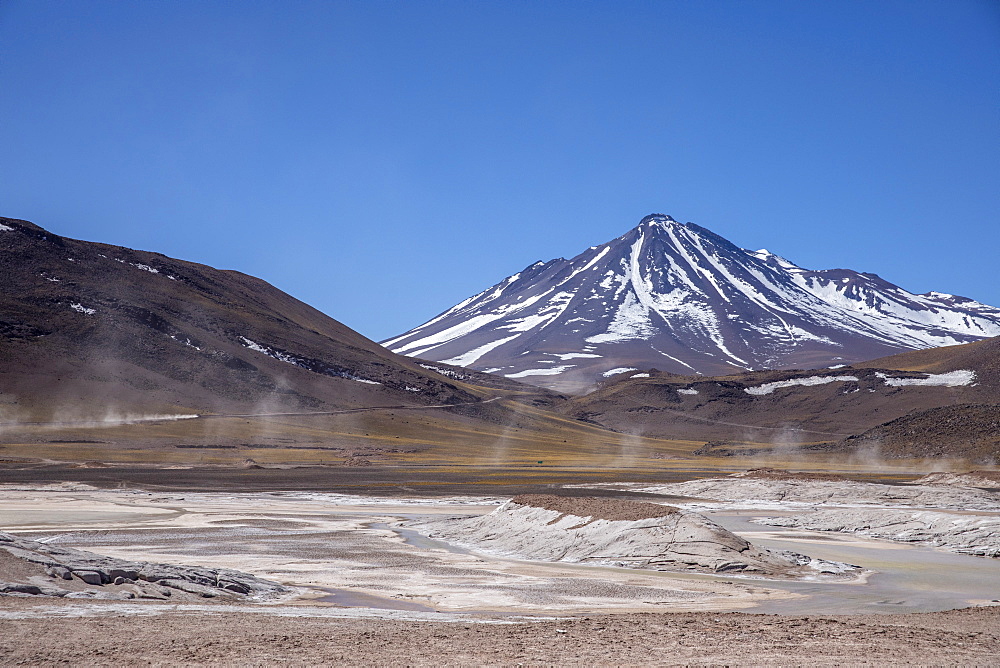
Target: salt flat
341,550
367,586
367,552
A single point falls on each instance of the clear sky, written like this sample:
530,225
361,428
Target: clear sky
385,160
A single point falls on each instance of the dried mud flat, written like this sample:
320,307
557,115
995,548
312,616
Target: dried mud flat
961,637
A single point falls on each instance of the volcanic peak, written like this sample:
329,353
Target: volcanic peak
656,218
682,298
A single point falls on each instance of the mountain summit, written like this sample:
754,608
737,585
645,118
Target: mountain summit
680,298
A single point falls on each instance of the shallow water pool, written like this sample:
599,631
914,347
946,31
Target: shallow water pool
905,578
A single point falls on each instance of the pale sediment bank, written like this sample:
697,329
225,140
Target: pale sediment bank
342,550
756,489
964,533
956,512
626,534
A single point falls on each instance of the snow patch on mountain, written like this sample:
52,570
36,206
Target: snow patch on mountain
768,388
950,379
448,373
270,352
616,371
470,357
630,322
186,341
83,309
539,372
545,316
316,366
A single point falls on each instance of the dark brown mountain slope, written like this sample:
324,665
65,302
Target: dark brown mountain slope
87,328
95,340
792,407
968,431
982,356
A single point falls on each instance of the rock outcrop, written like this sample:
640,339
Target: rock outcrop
50,570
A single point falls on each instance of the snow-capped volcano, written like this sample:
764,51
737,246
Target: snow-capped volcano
680,298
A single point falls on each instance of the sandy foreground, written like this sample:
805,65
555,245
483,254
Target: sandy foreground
962,637
368,590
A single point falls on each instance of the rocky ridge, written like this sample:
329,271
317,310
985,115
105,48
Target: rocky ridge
151,334
43,569
971,431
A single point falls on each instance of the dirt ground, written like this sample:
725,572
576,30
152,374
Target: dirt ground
605,509
960,637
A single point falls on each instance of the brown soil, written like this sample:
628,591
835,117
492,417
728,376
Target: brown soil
373,480
780,474
13,569
604,509
963,637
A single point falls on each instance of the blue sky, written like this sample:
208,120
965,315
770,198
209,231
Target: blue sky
384,160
